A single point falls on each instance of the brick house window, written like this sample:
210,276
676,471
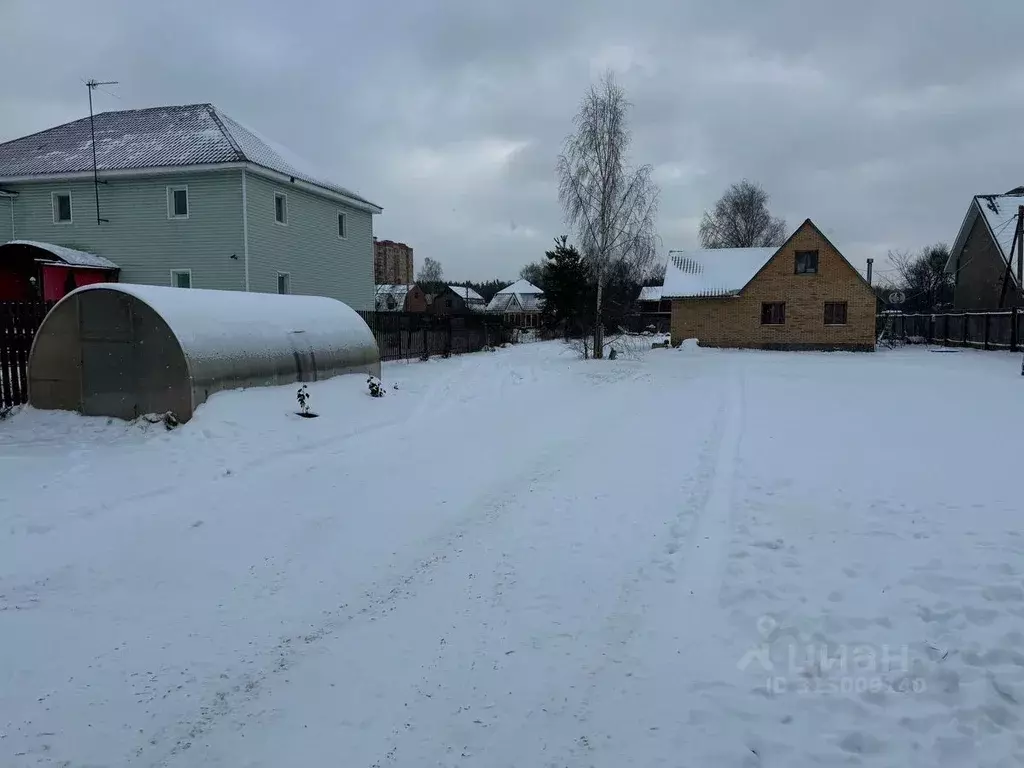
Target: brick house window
835,313
806,262
773,313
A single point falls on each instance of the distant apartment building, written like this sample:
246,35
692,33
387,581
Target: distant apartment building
392,262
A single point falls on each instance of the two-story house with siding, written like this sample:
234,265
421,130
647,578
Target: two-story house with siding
181,196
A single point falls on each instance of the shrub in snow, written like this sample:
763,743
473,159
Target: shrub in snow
376,388
303,397
689,345
169,419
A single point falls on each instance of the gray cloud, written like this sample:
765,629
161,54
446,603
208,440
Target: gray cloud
878,120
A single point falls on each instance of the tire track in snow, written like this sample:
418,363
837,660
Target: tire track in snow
701,573
704,562
176,740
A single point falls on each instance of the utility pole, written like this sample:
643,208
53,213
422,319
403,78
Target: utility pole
1020,269
92,85
1020,248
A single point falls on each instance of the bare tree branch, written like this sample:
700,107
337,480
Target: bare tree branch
740,219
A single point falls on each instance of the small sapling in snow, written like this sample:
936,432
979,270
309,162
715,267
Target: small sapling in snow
375,387
303,397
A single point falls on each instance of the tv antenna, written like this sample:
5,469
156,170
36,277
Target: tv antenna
92,85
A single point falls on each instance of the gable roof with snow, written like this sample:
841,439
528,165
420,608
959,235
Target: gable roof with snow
466,293
521,286
163,138
505,302
391,297
999,212
708,272
650,293
718,272
521,296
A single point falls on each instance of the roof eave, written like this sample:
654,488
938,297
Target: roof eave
168,170
961,236
728,295
316,189
121,173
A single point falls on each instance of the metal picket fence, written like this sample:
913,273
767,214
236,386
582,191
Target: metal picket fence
19,321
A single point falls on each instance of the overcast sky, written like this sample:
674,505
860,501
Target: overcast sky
878,120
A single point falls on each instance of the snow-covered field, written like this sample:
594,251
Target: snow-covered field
702,558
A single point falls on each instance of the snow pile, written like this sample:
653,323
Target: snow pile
690,346
760,574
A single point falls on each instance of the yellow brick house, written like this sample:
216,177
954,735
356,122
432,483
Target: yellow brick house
802,295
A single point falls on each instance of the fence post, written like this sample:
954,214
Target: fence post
988,324
931,328
6,358
945,330
963,319
1014,322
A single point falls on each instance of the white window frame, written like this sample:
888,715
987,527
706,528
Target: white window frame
287,275
343,216
170,202
176,272
71,207
284,208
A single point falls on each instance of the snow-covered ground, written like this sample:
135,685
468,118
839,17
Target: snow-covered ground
702,558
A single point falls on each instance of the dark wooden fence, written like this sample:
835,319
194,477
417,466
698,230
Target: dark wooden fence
1002,329
19,321
412,335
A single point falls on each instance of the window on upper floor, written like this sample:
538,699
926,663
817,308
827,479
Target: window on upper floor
806,262
181,278
177,202
342,225
284,283
280,208
61,202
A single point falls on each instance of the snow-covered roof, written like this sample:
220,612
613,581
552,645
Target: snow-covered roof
158,137
68,255
521,286
466,292
1000,215
650,293
391,297
713,272
504,302
531,302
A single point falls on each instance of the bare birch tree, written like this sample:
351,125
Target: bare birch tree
741,219
611,206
